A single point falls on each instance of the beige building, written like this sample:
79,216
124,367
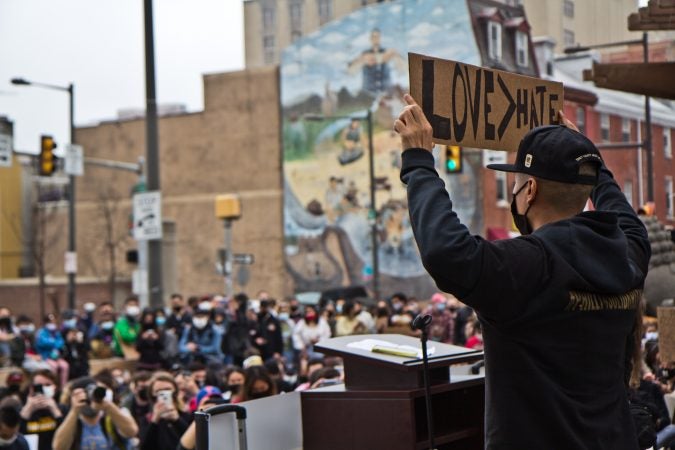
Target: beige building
232,146
581,22
271,25
11,229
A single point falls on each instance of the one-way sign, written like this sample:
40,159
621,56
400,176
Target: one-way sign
147,216
243,258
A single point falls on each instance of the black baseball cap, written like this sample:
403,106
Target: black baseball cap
554,152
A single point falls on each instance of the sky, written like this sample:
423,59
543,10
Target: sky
99,46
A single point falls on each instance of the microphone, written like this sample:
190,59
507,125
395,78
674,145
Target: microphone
421,322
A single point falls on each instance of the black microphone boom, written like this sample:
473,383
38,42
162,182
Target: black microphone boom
422,322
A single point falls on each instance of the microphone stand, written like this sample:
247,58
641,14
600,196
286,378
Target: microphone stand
422,323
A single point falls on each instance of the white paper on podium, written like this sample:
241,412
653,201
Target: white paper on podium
369,344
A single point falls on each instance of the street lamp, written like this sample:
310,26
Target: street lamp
70,89
647,143
372,213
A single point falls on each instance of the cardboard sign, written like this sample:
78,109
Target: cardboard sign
478,107
666,316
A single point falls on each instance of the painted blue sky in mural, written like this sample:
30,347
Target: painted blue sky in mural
440,28
317,153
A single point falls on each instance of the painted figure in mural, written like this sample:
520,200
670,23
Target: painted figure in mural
558,306
334,195
374,65
352,147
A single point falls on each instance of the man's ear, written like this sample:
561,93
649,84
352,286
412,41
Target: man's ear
532,189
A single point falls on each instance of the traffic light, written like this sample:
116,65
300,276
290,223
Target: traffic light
47,157
453,159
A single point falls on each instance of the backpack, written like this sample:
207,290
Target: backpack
645,420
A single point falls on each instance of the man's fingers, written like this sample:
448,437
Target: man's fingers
566,122
399,126
409,100
418,114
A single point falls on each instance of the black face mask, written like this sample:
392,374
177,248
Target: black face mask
234,388
520,220
143,395
256,395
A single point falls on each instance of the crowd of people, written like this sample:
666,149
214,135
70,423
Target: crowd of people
198,353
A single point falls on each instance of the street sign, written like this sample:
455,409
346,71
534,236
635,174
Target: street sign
70,262
147,216
5,150
139,282
243,258
493,157
74,163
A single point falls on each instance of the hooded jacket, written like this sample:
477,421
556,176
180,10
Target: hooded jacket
557,309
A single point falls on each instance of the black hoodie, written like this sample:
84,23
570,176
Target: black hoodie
557,309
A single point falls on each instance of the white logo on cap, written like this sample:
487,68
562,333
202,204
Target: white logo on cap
528,160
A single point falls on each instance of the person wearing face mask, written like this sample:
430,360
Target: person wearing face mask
137,401
76,348
442,324
150,343
169,352
164,425
310,330
23,353
126,330
49,344
10,438
179,317
201,340
94,420
41,415
258,384
557,305
101,333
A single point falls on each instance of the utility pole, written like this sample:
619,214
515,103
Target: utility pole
152,156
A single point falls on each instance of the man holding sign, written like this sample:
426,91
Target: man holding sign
558,304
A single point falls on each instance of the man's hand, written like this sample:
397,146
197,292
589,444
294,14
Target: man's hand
413,127
564,121
78,400
192,346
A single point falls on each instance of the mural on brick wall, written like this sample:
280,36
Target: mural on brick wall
329,82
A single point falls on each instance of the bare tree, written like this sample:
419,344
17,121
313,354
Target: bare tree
113,234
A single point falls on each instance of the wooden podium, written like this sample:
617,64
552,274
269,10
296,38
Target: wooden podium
382,403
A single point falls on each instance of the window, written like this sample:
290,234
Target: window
581,119
295,12
502,193
568,37
495,40
667,147
669,197
604,127
628,191
268,49
521,49
568,8
625,130
268,18
325,11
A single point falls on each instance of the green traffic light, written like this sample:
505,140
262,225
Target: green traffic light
452,165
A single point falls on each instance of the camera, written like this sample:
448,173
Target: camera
95,393
37,389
